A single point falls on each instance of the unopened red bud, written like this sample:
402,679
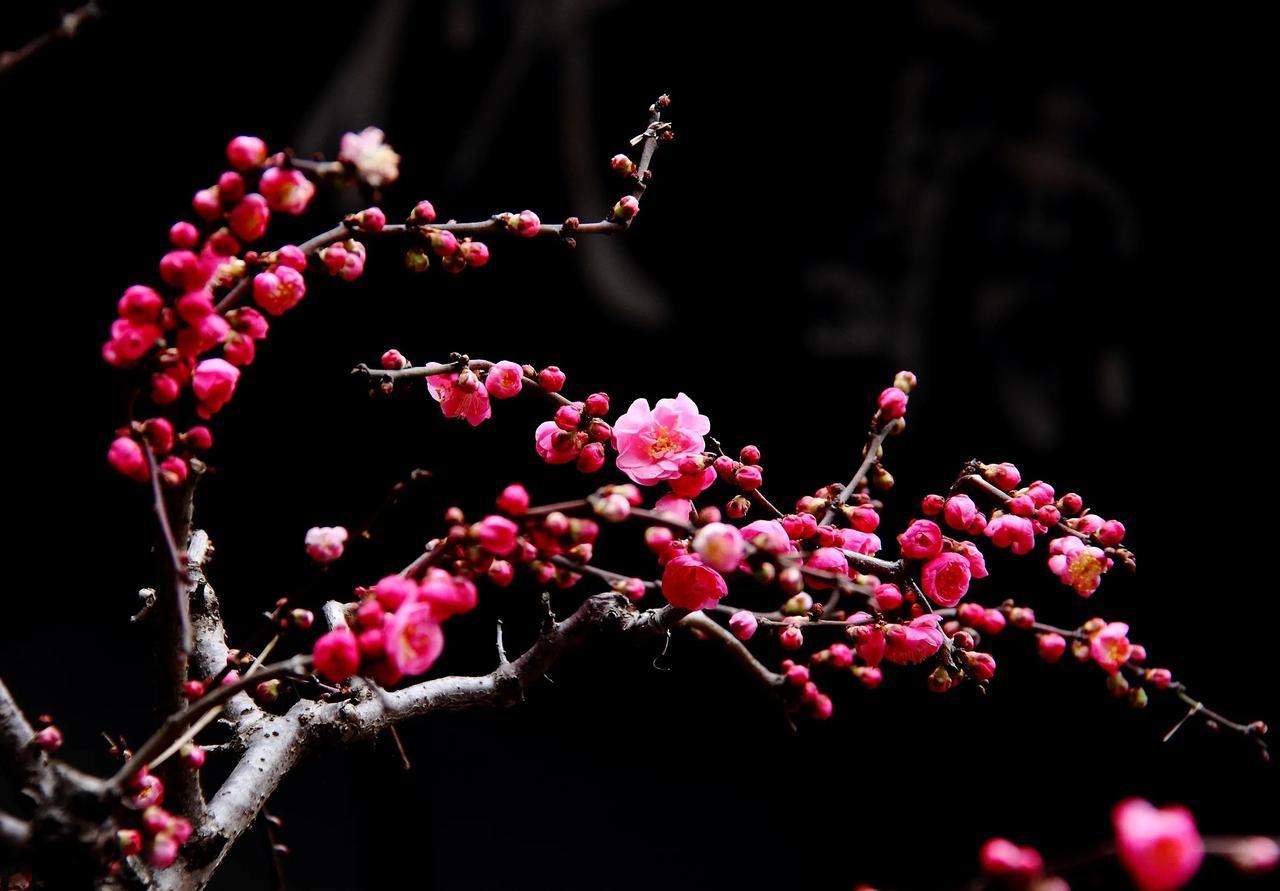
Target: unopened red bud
622,165
596,405
1071,504
193,690
556,523
725,466
932,505
444,243
551,379
476,253
1159,678
524,224
454,516
129,842
963,640
791,638
1117,685
393,360
748,477
626,209
869,676
738,506
267,692
192,755
48,739
791,580
1138,697
1022,617
749,455
423,212
302,618
591,458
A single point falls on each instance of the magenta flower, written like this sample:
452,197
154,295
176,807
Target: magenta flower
768,535
286,191
1012,532
214,382
1159,847
945,578
413,638
914,642
922,540
651,443
457,401
688,583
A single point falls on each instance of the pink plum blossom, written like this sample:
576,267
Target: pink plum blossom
977,563
504,380
1078,565
675,506
959,511
743,624
279,290
375,162
555,446
459,401
922,540
1110,647
720,546
496,534
413,638
651,443
127,457
1012,532
945,578
214,383
858,541
914,642
447,595
1159,847
768,535
690,584
286,191
336,655
325,543
831,560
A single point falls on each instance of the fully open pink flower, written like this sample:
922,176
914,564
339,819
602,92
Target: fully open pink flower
1160,847
651,443
413,638
459,402
1110,647
945,578
1076,564
914,642
690,584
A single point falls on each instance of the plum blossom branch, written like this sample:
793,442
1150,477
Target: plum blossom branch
68,27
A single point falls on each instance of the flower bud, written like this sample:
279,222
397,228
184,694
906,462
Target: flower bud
743,624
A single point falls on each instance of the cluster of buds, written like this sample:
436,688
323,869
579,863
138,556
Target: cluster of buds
173,451
160,834
578,433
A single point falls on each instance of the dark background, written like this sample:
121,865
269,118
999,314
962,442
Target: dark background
979,192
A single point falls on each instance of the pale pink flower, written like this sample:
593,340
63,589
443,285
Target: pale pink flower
326,543
1160,847
458,402
720,546
1110,647
375,161
413,638
1078,565
651,443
